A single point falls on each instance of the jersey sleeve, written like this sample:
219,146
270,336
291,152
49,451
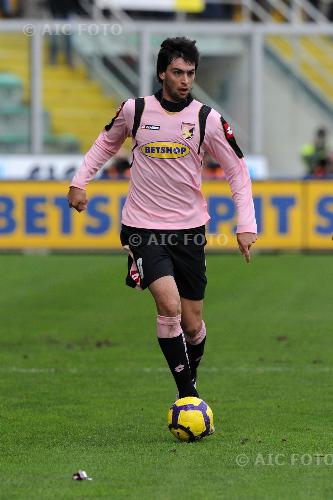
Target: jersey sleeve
106,145
221,144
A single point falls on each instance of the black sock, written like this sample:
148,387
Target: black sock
195,353
174,350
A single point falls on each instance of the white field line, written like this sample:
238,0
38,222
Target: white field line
254,369
203,369
14,369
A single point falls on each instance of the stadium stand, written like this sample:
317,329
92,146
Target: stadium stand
311,58
70,111
111,70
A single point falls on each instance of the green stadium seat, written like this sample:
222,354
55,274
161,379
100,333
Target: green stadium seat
15,124
64,143
53,144
16,120
11,90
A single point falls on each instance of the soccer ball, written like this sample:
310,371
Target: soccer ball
190,419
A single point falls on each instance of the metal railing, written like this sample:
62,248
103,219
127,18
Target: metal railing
295,11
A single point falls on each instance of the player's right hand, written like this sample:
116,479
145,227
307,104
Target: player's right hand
77,198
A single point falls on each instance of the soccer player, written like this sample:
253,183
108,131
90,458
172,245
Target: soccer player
164,217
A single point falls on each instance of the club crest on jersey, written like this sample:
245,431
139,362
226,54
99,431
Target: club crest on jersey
150,127
188,130
165,150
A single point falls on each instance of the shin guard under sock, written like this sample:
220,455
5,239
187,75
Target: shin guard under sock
195,349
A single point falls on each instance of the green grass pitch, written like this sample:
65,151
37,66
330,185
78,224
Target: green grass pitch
83,384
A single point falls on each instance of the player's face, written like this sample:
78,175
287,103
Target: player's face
177,80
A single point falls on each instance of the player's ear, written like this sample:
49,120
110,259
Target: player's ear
162,75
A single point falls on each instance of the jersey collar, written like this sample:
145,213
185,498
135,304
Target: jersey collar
173,106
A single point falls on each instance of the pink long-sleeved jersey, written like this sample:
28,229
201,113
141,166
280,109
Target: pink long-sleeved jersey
165,183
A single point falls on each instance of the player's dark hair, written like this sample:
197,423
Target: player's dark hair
172,48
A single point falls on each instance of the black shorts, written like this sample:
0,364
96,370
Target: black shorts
155,253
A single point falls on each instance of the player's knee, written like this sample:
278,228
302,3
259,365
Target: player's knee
169,306
192,328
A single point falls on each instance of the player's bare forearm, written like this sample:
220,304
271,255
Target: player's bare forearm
245,241
77,198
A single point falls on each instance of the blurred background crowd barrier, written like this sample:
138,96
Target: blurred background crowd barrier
266,66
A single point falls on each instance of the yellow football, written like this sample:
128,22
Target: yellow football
190,419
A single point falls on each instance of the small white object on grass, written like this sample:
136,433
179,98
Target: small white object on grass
81,475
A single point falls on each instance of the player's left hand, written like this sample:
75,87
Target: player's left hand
245,240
